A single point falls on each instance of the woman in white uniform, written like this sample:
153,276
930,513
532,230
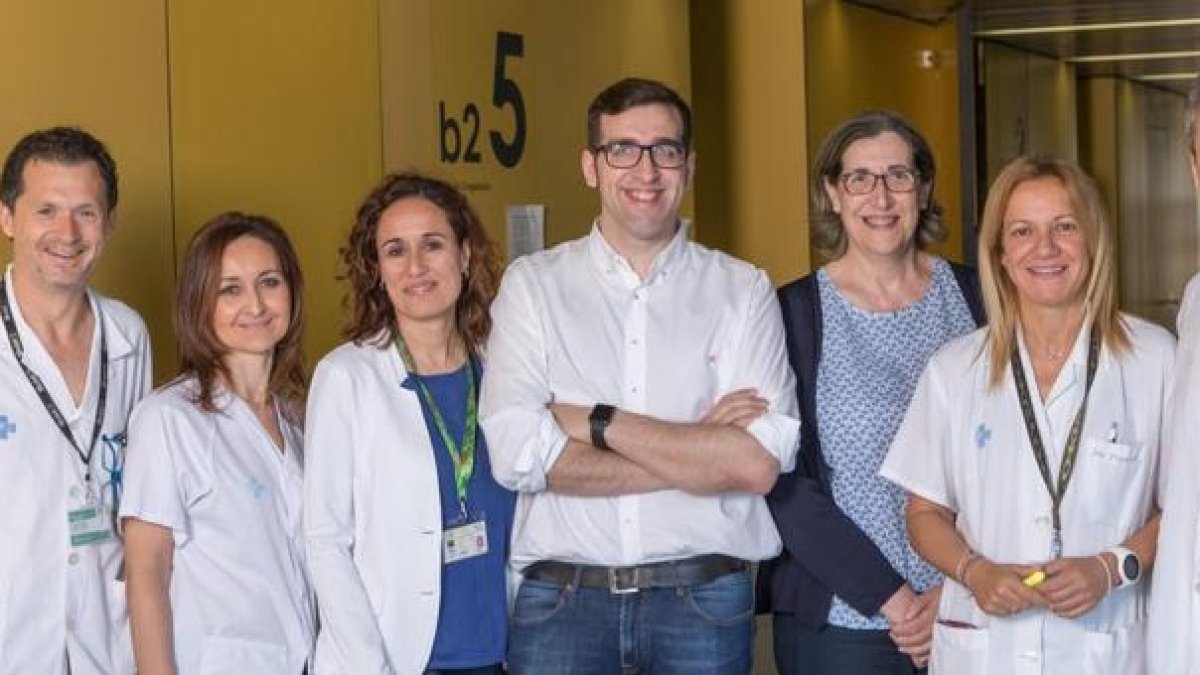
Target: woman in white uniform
1030,449
407,530
213,538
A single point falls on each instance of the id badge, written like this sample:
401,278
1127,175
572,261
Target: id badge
461,542
89,525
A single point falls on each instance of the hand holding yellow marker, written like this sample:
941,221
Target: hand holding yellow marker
1034,579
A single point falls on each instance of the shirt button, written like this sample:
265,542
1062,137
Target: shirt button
73,559
635,342
633,389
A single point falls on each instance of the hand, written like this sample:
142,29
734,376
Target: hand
1073,586
999,589
738,408
913,635
573,419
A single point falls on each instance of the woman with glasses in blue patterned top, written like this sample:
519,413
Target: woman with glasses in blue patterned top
849,594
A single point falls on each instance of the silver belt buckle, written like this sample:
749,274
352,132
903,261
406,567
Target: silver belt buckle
615,585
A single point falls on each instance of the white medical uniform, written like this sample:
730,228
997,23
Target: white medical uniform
1174,628
964,445
373,516
56,600
240,598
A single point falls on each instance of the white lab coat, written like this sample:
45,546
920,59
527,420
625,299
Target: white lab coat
373,516
964,446
55,600
240,598
1174,627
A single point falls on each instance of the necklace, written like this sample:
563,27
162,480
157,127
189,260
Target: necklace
1054,355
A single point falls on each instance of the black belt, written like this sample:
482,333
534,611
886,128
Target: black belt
670,574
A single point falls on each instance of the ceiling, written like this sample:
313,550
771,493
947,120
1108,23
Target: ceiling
994,19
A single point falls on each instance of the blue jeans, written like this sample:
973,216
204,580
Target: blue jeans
701,630
831,650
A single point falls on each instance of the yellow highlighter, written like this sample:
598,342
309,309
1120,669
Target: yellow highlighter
1034,579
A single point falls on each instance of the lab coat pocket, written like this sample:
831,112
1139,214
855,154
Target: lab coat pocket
237,656
959,650
1105,473
1121,652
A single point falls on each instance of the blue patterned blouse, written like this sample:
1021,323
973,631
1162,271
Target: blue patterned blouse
870,363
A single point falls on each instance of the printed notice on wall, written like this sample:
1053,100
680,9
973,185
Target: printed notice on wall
526,229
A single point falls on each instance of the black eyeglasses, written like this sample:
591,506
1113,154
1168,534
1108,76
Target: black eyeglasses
896,179
626,155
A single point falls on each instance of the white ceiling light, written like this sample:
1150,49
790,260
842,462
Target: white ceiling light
1143,56
1079,28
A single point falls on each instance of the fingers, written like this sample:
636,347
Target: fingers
1074,585
1000,590
739,408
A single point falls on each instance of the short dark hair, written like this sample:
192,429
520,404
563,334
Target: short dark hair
829,236
200,351
373,317
632,92
63,145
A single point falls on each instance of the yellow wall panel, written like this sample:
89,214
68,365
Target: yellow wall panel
748,74
102,66
275,109
444,51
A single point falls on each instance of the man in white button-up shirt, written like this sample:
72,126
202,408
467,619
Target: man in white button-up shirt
638,396
72,364
1174,628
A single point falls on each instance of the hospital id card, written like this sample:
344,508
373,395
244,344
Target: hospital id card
89,525
464,541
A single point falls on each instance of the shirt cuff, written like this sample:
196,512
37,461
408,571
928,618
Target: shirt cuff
780,436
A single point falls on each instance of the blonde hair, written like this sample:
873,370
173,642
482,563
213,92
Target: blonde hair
1000,296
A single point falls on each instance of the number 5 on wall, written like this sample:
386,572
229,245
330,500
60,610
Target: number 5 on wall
506,92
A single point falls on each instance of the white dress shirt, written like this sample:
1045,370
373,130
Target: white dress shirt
1174,628
240,597
576,325
59,601
963,445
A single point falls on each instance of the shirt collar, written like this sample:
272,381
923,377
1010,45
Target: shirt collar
608,260
119,344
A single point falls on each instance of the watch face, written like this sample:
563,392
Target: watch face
1130,567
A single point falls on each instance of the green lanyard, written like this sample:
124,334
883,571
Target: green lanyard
462,458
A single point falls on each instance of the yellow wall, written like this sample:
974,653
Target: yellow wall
275,109
444,50
861,59
102,66
751,181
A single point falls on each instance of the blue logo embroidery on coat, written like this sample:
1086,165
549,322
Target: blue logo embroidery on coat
257,488
983,436
7,427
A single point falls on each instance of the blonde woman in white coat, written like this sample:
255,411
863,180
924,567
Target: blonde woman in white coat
1030,450
407,531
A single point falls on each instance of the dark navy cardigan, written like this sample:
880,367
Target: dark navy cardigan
824,552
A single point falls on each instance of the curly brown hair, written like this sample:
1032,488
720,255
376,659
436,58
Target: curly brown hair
200,351
373,319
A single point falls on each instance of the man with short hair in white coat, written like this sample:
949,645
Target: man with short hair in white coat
72,365
1174,629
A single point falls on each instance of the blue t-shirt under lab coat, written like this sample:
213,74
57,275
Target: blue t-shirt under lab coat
473,620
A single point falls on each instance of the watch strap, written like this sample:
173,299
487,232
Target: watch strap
599,419
1129,566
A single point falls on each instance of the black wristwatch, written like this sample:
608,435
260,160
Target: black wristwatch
1129,567
599,419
